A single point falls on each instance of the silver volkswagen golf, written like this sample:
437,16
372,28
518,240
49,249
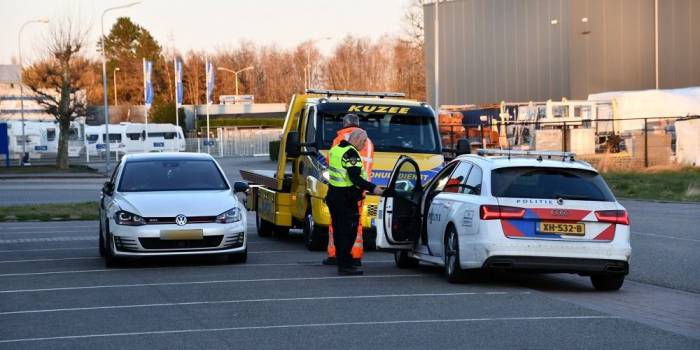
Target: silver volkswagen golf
160,204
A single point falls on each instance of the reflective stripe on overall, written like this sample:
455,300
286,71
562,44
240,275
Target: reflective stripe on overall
367,155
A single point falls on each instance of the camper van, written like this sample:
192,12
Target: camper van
42,138
127,138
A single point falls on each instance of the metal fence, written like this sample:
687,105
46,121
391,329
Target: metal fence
233,142
606,143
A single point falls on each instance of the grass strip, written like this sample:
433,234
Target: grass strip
673,185
50,212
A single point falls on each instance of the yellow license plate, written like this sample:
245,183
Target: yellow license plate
182,234
563,228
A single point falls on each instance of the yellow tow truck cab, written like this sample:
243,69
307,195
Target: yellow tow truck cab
293,195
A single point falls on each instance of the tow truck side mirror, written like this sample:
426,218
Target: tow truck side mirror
293,147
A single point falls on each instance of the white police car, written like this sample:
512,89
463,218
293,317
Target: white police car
507,210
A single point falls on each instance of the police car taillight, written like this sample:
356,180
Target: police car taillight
494,212
613,216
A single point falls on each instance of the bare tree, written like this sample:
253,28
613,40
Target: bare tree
60,80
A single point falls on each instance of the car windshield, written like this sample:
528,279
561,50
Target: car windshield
171,175
549,183
389,132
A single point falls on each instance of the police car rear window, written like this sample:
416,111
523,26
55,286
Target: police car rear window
549,183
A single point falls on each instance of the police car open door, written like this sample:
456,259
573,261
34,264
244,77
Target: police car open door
399,220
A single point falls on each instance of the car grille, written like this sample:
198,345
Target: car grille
157,243
171,220
372,210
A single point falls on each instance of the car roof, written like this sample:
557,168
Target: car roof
515,161
166,156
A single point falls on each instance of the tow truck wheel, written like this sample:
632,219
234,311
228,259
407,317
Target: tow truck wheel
453,272
403,261
607,282
264,227
314,235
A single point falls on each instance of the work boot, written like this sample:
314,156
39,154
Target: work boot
356,262
330,261
350,271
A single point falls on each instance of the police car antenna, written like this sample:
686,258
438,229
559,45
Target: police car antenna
380,94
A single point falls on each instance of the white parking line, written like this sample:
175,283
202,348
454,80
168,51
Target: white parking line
49,225
377,296
97,257
49,259
22,274
45,250
311,325
208,282
664,236
49,239
49,231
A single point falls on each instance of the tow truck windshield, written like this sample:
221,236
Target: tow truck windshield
404,133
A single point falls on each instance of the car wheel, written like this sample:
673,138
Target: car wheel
101,240
110,259
238,258
315,238
264,227
607,282
453,271
403,261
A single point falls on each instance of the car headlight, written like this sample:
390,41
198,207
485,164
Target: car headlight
229,216
123,217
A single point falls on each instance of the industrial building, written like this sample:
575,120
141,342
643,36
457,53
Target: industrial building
535,50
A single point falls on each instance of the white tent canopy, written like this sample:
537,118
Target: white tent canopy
653,103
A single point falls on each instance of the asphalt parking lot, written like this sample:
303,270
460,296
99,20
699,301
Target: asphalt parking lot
56,293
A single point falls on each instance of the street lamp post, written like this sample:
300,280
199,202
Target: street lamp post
114,77
104,77
235,73
21,85
307,76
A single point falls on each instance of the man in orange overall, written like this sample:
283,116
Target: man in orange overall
351,122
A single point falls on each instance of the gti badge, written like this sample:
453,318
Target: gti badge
181,220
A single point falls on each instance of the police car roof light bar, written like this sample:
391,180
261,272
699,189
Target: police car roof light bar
539,154
330,93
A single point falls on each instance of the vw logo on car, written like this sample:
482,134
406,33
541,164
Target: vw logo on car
181,220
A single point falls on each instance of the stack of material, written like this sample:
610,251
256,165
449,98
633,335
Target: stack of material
688,142
548,140
580,141
451,127
658,147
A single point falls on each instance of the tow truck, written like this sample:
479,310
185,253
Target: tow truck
292,196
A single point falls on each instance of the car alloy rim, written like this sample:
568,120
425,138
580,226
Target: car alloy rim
451,253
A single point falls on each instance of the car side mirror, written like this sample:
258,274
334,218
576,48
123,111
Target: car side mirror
293,147
240,186
108,188
463,147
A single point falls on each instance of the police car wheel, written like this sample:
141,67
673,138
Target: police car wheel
403,261
313,235
453,271
607,282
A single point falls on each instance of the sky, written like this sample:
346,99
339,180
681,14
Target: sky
207,25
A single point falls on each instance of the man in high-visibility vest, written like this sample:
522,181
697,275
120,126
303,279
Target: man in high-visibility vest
351,122
347,183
